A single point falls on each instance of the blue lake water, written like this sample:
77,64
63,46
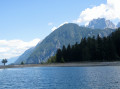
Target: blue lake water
61,78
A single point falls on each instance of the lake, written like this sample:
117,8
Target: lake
104,77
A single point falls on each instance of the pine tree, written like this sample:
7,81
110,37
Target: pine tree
58,55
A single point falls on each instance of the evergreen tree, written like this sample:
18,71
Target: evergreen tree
22,63
68,53
99,51
64,52
58,55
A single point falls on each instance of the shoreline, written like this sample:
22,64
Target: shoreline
73,64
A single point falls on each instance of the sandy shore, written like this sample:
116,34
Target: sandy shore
83,64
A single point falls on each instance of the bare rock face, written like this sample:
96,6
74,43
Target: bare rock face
101,23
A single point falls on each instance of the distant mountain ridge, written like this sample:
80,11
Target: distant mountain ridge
101,23
64,35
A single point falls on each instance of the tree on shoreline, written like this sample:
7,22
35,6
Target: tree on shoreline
4,61
22,63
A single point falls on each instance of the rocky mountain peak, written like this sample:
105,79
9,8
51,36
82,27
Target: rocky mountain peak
101,23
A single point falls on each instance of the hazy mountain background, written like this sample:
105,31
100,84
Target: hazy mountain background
118,25
24,56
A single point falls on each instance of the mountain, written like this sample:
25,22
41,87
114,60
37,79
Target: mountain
64,35
118,25
91,50
101,23
24,56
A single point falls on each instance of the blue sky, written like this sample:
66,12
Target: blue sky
24,23
28,19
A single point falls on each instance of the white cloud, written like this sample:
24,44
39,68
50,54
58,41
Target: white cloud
54,28
111,11
4,49
12,48
50,23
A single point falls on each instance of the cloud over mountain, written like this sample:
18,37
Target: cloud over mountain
110,10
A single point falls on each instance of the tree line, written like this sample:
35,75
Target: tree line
91,49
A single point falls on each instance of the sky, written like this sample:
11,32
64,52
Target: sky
24,23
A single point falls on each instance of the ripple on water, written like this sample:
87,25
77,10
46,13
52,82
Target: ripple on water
60,78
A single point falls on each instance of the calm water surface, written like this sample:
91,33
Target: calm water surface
61,78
